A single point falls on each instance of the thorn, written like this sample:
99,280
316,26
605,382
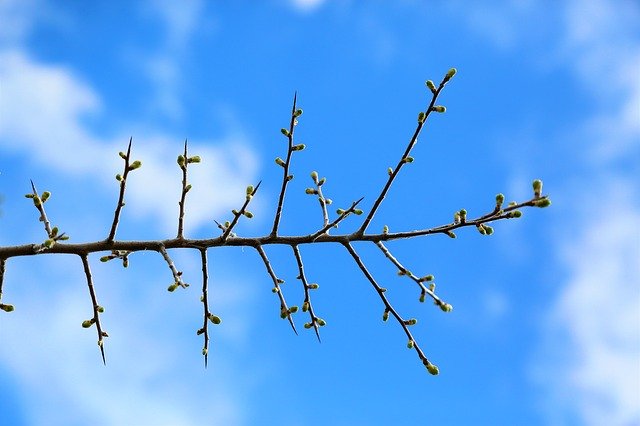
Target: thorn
32,186
129,147
104,360
295,99
206,360
293,326
185,150
315,326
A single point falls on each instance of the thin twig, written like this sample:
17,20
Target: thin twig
405,157
205,305
307,305
96,308
123,183
177,275
390,309
251,191
286,177
183,166
285,312
3,306
339,219
404,271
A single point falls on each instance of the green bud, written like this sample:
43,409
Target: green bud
105,258
187,188
6,308
200,331
100,309
122,155
250,190
489,229
432,369
385,316
29,195
385,229
119,177
63,237
432,287
328,201
54,232
314,176
481,229
450,234
293,309
311,191
45,196
463,215
421,117
285,132
357,212
172,287
411,321
280,281
214,319
439,108
542,203
446,307
227,224
290,177
456,217
308,325
423,295
515,214
298,147
305,306
322,181
49,243
537,187
428,278
248,214
135,165
340,212
194,159
321,322
410,344
430,85
280,162
298,112
390,171
313,286
499,200
205,351
450,74
87,323
275,290
284,313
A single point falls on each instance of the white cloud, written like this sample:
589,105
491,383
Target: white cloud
43,108
307,5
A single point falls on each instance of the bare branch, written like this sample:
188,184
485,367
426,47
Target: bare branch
177,275
183,163
208,316
3,306
422,118
285,312
123,183
286,177
228,227
97,309
307,306
342,214
388,308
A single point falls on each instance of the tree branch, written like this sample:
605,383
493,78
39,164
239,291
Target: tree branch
97,309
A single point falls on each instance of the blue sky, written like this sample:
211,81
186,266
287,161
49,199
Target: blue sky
546,321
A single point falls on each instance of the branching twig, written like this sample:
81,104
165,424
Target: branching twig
97,309
285,312
321,199
53,234
208,316
3,306
342,214
183,163
307,306
388,308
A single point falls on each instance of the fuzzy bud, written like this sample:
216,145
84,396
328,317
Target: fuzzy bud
105,258
305,306
450,74
285,132
439,108
135,165
214,319
340,212
423,295
411,321
385,229
100,309
421,117
45,196
248,214
385,316
446,307
308,325
6,308
314,176
321,322
357,212
432,369
537,187
172,287
311,191
431,86
87,323
390,171
542,203
499,200
515,214
298,112
194,159
410,344
250,190
293,309
280,162
450,234
298,147
119,177
122,155
313,286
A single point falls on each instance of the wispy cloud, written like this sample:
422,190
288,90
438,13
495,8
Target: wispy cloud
306,5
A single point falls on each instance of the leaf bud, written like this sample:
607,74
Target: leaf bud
45,196
311,191
205,351
537,187
431,86
385,229
514,214
314,176
119,177
450,234
439,108
298,112
200,331
450,74
542,203
293,309
187,188
432,369
308,325
313,286
105,258
29,195
214,319
122,155
280,162
446,307
427,278
100,309
87,323
194,159
298,147
322,181
328,201
135,165
172,287
285,132
481,229
411,321
421,117
432,287
340,212
305,306
49,243
290,177
407,159
275,290
499,200
489,229
463,215
280,281
423,295
357,212
6,308
390,171
385,316
248,214
321,322
410,344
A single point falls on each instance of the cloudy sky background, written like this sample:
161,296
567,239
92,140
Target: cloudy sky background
546,320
